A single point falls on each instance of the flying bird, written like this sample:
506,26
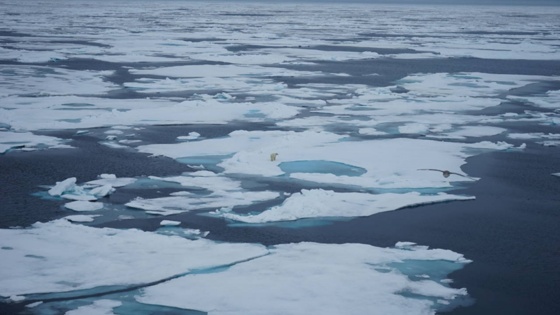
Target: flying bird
445,173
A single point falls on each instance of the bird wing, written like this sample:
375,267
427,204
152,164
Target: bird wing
430,169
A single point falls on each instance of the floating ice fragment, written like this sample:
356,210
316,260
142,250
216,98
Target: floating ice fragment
17,298
84,206
556,174
63,186
32,305
169,223
192,135
112,180
102,191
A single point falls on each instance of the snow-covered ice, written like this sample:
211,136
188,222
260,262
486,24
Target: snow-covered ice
169,223
320,204
60,256
309,83
28,141
80,205
309,278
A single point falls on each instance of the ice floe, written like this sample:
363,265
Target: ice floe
80,205
389,163
308,278
169,223
320,203
188,202
54,257
28,141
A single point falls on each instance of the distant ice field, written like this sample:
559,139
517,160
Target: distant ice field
199,118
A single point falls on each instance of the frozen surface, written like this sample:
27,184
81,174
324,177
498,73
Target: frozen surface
321,203
353,101
310,278
80,205
169,223
59,256
27,141
391,163
99,307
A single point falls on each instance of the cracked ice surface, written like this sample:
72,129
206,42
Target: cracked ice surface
310,278
59,256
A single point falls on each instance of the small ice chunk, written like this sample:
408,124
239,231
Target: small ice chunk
102,191
556,174
169,223
32,305
192,135
62,186
17,298
84,206
111,179
114,132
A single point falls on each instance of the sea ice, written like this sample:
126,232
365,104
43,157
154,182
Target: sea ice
59,256
111,180
192,136
181,203
390,163
169,223
27,140
99,307
84,205
63,186
90,191
318,203
311,278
